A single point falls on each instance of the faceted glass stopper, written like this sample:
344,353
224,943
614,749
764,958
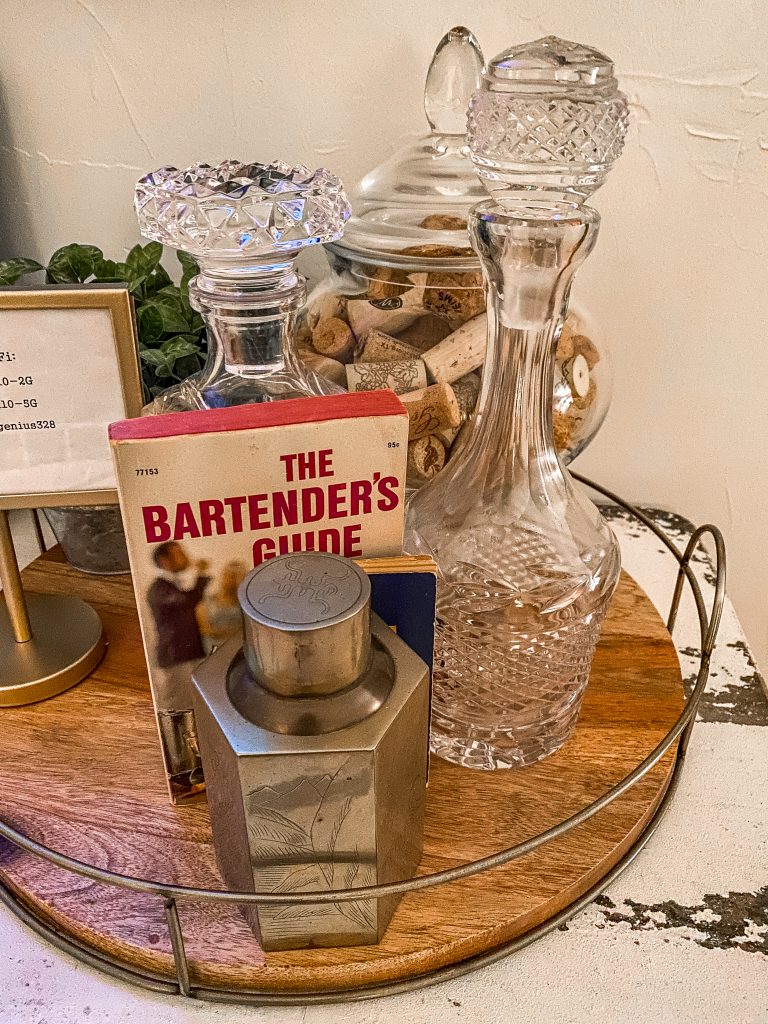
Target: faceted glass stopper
237,212
548,115
453,76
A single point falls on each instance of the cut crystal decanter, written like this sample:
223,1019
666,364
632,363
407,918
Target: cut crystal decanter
245,224
527,565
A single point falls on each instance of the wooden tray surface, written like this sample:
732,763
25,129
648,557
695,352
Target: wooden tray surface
82,774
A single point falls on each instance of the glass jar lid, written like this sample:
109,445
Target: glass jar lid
414,206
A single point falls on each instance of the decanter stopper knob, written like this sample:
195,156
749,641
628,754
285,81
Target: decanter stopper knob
453,76
548,116
235,213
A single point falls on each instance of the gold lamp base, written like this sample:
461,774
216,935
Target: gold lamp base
67,644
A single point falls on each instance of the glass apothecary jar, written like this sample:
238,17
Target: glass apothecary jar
403,306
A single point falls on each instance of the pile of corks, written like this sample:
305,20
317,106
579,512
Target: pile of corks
424,335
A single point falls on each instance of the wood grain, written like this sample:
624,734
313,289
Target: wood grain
82,773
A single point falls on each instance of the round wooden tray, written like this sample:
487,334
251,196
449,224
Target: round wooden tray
82,774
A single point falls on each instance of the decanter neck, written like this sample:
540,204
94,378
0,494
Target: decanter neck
529,251
251,345
250,317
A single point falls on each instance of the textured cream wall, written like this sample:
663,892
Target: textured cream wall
95,91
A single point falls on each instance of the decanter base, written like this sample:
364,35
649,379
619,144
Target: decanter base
491,749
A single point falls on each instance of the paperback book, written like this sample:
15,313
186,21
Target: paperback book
208,495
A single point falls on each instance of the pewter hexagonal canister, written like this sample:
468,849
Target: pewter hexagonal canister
313,736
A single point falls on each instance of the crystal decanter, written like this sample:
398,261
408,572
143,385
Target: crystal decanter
245,224
527,565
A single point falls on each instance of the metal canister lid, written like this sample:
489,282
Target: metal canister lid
306,623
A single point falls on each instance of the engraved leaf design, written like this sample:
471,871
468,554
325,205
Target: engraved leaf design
267,824
350,874
361,914
318,834
304,912
306,877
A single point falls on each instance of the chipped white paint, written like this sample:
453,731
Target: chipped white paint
714,840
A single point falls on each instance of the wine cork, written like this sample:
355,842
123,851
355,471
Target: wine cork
388,315
303,336
379,347
585,400
443,222
330,368
561,428
565,346
583,346
459,353
466,389
431,409
386,282
332,337
575,373
426,457
433,250
457,296
426,332
403,376
459,439
448,435
323,307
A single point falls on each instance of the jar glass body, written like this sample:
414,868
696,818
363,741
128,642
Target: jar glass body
91,537
526,563
419,299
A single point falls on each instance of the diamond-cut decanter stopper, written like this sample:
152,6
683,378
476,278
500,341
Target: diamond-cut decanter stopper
234,212
453,76
548,115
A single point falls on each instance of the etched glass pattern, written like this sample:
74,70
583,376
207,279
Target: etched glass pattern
237,210
550,113
547,131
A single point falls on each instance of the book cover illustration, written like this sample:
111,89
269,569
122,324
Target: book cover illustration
205,496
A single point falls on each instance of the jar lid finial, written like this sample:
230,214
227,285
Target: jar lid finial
453,75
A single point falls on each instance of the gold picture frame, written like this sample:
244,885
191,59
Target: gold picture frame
117,300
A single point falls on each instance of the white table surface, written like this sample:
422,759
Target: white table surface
681,936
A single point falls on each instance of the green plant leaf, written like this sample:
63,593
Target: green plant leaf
151,356
157,280
142,259
189,269
142,262
156,359
176,348
185,367
105,270
150,322
11,270
196,322
174,321
73,264
168,306
153,253
189,264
